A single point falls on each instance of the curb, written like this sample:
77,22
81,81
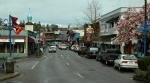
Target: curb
11,75
140,79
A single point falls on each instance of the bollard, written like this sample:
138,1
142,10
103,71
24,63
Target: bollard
9,65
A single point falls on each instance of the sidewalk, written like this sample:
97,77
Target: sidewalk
4,76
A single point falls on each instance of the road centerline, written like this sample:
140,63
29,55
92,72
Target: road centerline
34,65
68,64
80,75
62,56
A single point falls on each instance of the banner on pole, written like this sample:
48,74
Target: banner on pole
17,29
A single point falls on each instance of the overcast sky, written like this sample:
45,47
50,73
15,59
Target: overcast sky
61,12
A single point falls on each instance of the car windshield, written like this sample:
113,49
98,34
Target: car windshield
129,58
64,45
83,48
92,49
114,51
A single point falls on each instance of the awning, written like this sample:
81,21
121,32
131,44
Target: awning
32,39
14,38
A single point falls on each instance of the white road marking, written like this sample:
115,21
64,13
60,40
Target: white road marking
34,65
80,75
62,56
68,64
130,77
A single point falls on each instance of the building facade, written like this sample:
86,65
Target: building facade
22,44
107,32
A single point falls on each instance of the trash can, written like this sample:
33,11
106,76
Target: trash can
9,65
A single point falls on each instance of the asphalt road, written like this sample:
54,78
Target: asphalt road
66,66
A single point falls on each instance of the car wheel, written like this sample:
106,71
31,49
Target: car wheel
119,68
86,56
114,66
97,59
79,53
107,63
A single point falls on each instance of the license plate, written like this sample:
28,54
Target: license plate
131,62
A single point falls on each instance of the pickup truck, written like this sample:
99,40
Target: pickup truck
109,56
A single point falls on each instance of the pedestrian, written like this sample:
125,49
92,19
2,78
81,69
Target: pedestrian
139,48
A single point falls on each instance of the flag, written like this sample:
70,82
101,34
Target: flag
14,19
17,29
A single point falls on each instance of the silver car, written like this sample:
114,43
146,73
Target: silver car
52,49
126,61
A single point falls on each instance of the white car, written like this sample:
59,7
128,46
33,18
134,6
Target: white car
52,49
126,61
63,47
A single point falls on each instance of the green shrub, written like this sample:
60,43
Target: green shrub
143,63
148,72
137,73
141,74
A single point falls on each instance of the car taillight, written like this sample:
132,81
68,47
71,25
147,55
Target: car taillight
108,56
124,61
80,49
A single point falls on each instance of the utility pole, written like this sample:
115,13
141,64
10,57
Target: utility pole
145,28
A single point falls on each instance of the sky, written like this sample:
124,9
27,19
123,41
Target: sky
60,12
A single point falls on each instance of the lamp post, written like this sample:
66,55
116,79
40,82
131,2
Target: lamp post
10,35
39,44
10,39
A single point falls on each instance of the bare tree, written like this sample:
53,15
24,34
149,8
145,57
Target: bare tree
92,13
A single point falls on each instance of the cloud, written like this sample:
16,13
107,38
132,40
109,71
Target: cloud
61,12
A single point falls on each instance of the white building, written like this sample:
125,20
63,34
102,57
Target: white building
108,21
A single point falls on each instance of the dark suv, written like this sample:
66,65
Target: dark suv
92,52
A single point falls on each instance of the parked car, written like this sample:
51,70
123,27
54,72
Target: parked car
76,49
99,56
82,50
126,61
109,56
73,47
52,48
91,52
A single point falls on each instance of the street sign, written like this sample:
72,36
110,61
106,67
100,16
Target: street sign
13,41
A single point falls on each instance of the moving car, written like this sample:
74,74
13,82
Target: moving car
52,48
126,61
63,47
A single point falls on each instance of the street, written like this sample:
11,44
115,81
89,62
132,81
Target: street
66,66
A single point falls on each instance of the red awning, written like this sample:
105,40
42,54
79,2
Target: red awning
31,39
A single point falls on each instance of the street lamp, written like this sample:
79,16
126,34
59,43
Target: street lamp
38,33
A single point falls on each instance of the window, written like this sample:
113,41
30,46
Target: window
129,57
2,48
21,48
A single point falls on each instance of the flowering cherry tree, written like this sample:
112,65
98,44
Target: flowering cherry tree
127,27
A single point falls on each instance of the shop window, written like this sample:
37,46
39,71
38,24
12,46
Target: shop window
2,48
14,48
21,48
